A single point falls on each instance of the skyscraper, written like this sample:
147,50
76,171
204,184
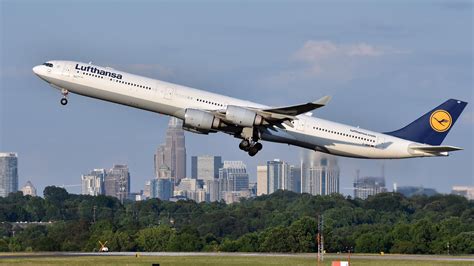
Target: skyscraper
117,182
368,186
295,179
278,175
29,189
233,176
162,187
319,173
173,152
205,167
8,173
262,180
93,183
212,188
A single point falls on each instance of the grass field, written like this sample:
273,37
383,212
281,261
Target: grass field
208,260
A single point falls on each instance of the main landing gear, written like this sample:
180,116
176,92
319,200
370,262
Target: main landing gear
64,92
251,147
250,143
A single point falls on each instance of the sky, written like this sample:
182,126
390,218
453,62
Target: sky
384,63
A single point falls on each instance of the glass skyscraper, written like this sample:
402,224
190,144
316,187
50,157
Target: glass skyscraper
8,173
319,173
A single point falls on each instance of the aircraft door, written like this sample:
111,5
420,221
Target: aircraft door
168,93
300,125
380,143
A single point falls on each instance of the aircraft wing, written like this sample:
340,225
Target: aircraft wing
300,108
436,149
279,115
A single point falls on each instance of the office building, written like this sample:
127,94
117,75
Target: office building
162,188
465,191
295,179
173,152
93,183
368,186
234,196
147,190
117,182
262,180
278,175
205,167
212,188
8,173
233,176
319,173
29,189
253,189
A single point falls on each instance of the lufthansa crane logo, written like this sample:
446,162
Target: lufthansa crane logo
440,120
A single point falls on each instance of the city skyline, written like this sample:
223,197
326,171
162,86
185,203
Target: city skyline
405,63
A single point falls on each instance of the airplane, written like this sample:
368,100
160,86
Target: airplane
205,112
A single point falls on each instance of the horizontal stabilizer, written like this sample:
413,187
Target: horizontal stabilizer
301,108
436,148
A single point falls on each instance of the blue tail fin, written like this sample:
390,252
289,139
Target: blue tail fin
432,127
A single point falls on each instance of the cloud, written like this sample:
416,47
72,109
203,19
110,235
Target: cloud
324,59
313,51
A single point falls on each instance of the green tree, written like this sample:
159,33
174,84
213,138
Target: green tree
155,238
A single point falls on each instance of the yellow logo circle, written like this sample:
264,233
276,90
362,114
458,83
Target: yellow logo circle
440,120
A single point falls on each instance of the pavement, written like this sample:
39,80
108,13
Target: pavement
223,254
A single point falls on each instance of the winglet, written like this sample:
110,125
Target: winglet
323,101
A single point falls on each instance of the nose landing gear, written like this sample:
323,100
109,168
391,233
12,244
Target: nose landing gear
64,92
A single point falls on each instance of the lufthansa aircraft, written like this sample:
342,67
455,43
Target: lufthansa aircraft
205,112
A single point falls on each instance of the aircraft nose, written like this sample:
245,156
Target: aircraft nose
36,70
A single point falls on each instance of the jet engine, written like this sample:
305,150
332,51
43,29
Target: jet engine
200,120
243,117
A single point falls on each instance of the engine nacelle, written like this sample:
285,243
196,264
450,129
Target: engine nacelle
243,117
200,120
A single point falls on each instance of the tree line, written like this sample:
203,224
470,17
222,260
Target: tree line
281,222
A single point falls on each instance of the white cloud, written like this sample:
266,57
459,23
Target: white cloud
324,59
320,50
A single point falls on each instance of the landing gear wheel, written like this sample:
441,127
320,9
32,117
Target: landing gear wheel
244,145
63,101
258,146
253,151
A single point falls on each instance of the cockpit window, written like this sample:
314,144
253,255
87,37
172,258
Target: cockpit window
48,64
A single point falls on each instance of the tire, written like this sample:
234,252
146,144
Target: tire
63,101
258,146
253,151
244,145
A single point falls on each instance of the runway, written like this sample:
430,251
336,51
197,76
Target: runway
231,254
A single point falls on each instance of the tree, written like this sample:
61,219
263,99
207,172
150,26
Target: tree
278,239
155,238
304,231
463,243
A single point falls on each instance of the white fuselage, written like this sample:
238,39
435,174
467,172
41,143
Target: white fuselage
172,99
